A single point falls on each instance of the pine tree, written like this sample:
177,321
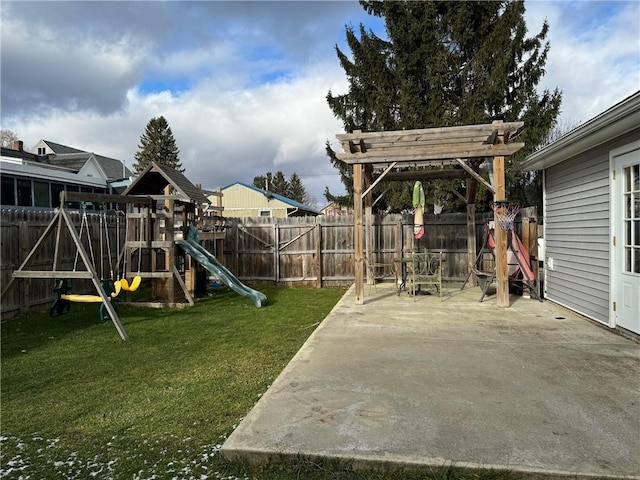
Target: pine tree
296,189
445,64
279,184
275,183
263,181
157,145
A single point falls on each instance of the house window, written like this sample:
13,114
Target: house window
8,191
632,219
24,194
264,213
42,150
41,194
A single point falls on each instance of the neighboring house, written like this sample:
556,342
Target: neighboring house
334,210
242,200
591,179
35,179
83,162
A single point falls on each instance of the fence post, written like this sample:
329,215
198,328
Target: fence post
236,254
319,254
24,292
276,252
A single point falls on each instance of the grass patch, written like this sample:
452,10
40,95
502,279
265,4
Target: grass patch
77,402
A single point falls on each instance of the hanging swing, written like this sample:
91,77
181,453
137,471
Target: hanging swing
112,286
137,279
63,286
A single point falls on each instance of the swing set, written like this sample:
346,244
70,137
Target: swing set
113,283
108,287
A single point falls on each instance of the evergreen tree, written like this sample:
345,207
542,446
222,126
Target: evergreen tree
292,188
273,183
157,145
445,64
296,189
263,181
279,184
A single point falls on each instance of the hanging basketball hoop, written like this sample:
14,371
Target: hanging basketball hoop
505,213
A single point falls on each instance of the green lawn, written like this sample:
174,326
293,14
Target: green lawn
77,402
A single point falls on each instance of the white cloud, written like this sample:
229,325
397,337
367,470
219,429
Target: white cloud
223,136
241,111
41,68
594,58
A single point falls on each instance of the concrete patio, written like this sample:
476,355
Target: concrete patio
429,381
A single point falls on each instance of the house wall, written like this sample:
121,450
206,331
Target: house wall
240,201
577,231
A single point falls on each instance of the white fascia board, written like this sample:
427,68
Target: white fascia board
9,166
609,125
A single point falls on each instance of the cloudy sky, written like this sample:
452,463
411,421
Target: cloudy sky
243,84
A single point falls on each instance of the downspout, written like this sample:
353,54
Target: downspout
295,211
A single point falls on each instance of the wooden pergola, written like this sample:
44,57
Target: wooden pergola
427,154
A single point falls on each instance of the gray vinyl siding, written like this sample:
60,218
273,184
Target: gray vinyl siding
577,233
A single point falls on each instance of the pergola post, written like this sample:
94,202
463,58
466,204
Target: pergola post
368,221
502,268
357,232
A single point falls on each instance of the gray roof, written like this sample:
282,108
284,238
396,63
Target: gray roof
59,149
112,168
154,179
74,159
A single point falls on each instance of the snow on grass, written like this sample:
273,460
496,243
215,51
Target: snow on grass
38,457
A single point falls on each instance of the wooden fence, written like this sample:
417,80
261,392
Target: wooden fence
319,251
20,229
311,251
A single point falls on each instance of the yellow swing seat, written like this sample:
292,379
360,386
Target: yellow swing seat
135,283
91,298
82,298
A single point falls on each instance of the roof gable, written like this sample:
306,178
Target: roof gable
92,168
156,177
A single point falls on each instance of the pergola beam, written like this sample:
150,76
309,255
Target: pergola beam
421,175
439,133
416,154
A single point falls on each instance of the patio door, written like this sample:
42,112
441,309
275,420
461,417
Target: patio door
626,227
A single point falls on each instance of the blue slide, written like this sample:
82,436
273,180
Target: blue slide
209,261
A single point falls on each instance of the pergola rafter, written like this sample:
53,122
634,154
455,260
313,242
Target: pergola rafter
426,154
